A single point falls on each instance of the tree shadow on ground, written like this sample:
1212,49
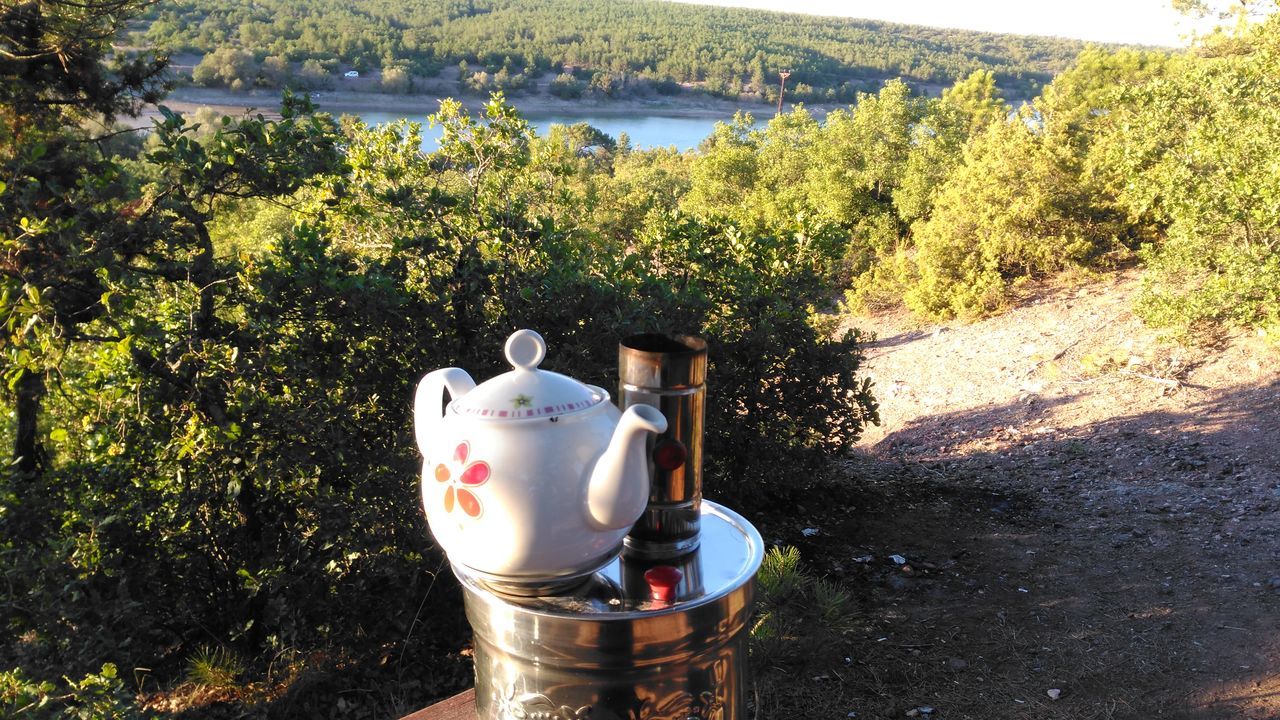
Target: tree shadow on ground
893,341
1128,563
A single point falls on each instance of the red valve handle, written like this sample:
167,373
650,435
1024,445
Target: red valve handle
662,582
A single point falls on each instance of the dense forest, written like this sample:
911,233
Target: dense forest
211,331
632,46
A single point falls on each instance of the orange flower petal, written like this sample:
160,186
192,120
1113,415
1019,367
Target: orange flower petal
442,473
448,499
476,474
468,502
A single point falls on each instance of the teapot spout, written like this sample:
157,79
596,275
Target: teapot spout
619,485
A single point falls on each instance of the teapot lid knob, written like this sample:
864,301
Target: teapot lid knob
525,349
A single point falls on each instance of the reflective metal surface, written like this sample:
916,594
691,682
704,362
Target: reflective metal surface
568,582
668,373
609,650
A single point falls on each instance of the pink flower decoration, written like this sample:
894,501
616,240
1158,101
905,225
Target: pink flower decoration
473,475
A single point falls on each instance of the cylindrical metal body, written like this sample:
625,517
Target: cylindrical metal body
668,373
605,654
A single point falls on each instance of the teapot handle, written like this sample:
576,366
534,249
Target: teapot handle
427,410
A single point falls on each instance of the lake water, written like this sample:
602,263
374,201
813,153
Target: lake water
645,130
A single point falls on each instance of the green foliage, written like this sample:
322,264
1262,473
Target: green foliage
779,578
1082,98
96,696
875,139
1126,149
228,67
566,86
396,80
1196,287
1196,152
755,177
275,71
56,218
642,181
484,82
249,226
937,141
992,201
622,46
313,76
1241,10
1011,211
852,185
214,667
726,170
796,614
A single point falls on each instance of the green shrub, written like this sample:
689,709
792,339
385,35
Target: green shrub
795,613
214,667
96,696
1016,208
226,67
1196,287
566,86
1196,152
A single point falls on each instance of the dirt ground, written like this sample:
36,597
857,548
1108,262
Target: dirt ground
1086,518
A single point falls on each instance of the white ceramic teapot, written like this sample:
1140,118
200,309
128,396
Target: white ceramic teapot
531,476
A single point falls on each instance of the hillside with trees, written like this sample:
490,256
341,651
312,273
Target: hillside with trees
615,47
209,333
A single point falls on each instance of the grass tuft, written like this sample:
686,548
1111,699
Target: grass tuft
215,668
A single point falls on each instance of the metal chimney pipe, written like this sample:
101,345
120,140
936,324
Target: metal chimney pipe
669,373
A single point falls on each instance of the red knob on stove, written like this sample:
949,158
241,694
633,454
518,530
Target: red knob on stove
670,454
662,583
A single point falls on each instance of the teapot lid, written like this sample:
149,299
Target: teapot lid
526,391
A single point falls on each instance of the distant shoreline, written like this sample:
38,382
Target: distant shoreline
339,102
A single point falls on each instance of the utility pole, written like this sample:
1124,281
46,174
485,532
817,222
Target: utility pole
784,74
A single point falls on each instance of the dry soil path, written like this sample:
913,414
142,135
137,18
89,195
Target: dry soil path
1088,517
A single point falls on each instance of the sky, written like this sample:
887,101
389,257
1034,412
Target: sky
1147,22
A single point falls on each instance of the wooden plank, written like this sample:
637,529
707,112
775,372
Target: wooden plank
458,707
